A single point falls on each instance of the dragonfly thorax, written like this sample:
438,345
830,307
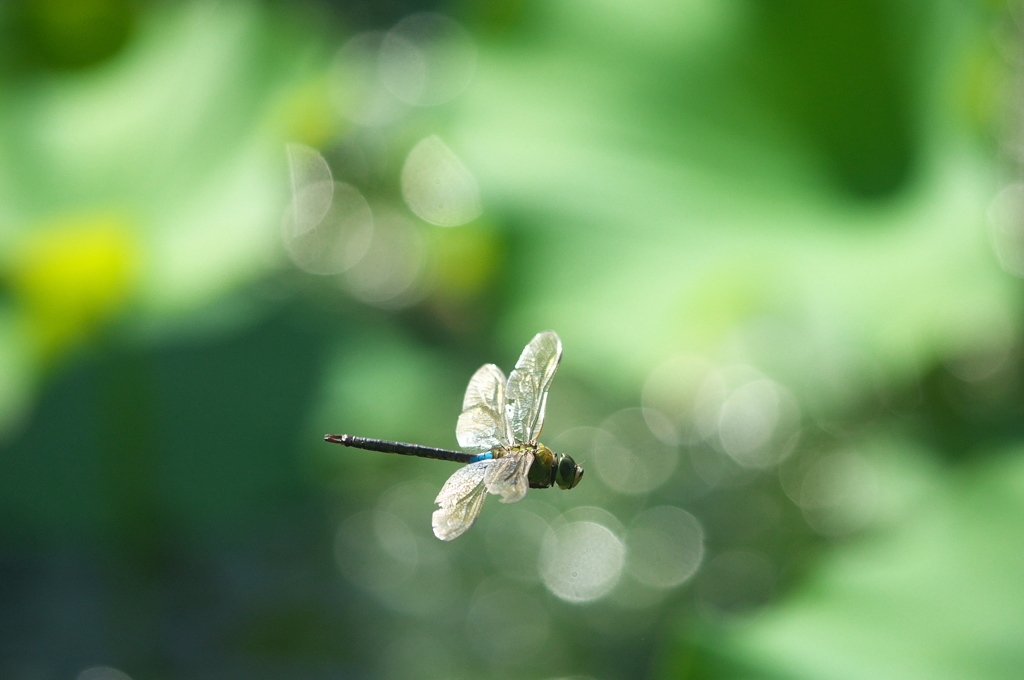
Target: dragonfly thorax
550,469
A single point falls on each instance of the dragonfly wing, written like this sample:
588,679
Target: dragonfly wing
487,388
479,430
527,389
460,499
508,476
482,425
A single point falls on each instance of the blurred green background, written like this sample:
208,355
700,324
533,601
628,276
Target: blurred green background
781,241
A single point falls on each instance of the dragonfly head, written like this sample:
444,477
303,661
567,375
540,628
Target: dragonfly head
568,474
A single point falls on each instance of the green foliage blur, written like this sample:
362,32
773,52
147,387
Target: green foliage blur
781,241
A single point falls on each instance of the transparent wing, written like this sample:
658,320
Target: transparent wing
482,425
527,389
460,499
508,476
486,388
479,430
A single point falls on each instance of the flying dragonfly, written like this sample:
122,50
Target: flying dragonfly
497,430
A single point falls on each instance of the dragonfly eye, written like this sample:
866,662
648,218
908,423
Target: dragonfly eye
568,474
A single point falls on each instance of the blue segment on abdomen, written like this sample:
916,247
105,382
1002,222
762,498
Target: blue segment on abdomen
482,456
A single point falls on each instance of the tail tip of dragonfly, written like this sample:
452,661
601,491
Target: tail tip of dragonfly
336,438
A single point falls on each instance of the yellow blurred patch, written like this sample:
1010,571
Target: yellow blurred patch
728,296
70,277
980,86
306,115
466,260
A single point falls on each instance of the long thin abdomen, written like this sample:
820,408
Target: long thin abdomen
402,448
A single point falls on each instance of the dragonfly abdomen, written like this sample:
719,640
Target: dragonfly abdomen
385,446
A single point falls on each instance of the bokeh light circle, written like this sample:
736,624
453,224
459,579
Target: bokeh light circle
627,454
102,673
839,493
359,91
312,188
666,547
1006,216
581,561
752,419
427,59
341,237
391,272
437,186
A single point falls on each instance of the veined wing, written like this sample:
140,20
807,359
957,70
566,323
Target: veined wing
528,385
460,499
487,388
462,496
482,425
508,476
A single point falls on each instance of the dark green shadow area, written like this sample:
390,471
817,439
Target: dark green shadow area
840,74
157,510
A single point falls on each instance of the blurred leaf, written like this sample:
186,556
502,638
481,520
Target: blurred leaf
844,82
937,596
151,189
66,34
185,132
666,206
71,277
467,260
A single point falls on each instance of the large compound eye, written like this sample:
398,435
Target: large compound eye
578,475
569,473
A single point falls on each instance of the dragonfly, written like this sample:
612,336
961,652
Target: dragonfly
498,429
